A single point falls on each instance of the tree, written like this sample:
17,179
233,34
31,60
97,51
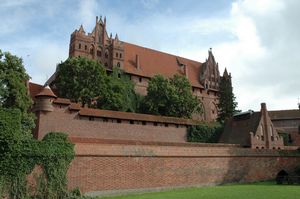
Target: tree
80,79
119,94
170,97
13,90
227,104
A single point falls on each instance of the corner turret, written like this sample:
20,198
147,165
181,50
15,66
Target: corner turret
44,100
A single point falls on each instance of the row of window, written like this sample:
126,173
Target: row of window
99,54
91,118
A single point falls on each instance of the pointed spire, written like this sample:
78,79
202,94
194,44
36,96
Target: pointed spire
104,20
110,36
116,37
81,30
225,74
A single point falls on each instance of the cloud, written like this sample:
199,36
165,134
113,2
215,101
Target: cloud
257,40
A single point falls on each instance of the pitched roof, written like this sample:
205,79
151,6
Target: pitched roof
153,62
34,89
284,114
237,130
47,92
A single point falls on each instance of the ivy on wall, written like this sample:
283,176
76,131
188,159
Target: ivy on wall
205,133
19,155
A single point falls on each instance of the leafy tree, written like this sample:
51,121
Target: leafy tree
119,94
80,80
170,97
13,90
227,104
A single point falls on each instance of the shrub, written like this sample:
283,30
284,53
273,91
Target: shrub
206,133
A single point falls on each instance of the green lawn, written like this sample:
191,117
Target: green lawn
261,190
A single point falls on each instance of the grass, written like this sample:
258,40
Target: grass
263,190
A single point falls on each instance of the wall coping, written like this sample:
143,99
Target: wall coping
90,112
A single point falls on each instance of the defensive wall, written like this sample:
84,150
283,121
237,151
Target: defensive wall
117,151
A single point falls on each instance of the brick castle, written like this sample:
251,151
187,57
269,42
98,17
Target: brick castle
119,151
142,63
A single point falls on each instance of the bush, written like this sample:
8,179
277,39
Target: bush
20,154
206,133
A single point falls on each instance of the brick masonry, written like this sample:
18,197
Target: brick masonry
102,167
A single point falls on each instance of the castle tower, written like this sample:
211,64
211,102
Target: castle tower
44,100
97,45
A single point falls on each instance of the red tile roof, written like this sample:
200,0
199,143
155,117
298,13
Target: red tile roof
46,91
154,62
134,116
284,114
62,101
34,89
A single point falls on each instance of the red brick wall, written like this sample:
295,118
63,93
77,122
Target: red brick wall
62,120
102,167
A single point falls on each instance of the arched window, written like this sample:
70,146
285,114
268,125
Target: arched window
98,53
79,46
91,51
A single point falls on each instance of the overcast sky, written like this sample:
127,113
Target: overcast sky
257,41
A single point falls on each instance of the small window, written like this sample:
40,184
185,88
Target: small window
166,125
131,122
117,54
119,121
140,79
85,47
144,123
120,55
155,123
119,75
130,77
91,118
91,51
79,46
206,86
105,120
193,89
177,126
118,64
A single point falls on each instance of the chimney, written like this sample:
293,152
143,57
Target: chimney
137,62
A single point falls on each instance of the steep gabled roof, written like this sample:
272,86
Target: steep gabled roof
153,62
237,131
